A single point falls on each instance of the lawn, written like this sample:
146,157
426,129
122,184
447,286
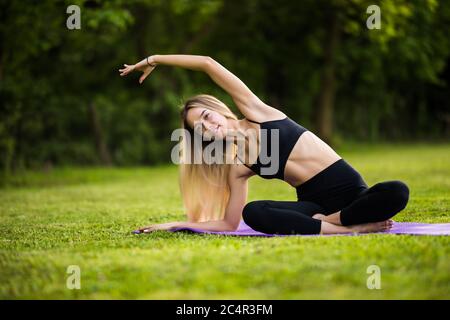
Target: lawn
84,217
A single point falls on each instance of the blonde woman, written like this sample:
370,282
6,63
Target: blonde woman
332,197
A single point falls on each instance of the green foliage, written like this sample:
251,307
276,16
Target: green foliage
49,75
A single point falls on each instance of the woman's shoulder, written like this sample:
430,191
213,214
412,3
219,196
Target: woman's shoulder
263,113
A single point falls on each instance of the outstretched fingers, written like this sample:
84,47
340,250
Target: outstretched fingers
146,229
126,70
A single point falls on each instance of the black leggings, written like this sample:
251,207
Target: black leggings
337,187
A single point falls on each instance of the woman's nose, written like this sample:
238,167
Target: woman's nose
212,126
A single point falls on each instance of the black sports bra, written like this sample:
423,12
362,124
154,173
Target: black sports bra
288,134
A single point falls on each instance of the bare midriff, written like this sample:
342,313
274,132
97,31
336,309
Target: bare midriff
309,156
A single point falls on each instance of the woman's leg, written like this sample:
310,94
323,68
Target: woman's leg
282,217
294,217
378,203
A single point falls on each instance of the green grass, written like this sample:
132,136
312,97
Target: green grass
79,216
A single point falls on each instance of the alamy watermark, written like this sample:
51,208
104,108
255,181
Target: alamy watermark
374,280
74,20
74,279
213,152
374,20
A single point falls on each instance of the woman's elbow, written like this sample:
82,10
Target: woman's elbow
208,63
231,226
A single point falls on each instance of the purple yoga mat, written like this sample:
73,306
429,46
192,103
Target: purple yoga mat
412,228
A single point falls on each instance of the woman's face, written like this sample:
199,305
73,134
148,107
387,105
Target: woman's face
213,124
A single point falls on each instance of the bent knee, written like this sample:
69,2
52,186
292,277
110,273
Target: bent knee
251,210
399,192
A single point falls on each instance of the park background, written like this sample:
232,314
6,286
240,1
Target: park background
85,153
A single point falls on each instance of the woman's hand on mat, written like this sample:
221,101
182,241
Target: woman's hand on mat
163,226
146,66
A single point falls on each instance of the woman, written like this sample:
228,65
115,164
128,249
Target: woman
332,197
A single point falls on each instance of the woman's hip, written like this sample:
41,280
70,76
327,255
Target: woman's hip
333,188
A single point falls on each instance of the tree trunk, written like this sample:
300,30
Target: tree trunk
102,149
325,100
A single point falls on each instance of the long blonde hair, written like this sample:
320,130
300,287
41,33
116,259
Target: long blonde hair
204,187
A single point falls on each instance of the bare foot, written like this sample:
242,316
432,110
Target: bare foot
372,227
334,218
319,216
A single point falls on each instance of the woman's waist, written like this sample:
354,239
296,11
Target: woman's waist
339,177
299,172
309,157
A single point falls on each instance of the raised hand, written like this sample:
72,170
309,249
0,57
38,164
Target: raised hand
146,66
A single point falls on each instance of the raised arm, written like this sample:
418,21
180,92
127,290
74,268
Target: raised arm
146,65
247,102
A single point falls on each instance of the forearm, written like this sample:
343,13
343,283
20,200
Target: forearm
217,225
192,62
